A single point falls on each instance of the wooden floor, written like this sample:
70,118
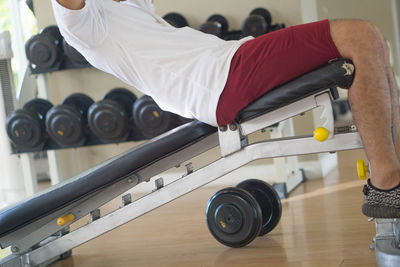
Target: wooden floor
321,225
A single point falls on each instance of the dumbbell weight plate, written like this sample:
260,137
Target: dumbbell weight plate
109,118
255,26
52,30
122,96
233,35
176,20
268,200
263,13
80,101
234,217
39,106
276,27
29,3
109,121
221,20
149,118
73,54
25,127
42,52
67,123
211,27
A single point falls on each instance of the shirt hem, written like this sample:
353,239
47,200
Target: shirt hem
214,100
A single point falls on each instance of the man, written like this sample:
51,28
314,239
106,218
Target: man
200,76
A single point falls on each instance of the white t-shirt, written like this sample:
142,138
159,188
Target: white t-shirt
183,70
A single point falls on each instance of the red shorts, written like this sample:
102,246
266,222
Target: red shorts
271,60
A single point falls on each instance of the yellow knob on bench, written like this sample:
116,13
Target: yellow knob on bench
362,169
65,219
321,134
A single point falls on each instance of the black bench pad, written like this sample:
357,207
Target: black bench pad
117,168
331,75
101,176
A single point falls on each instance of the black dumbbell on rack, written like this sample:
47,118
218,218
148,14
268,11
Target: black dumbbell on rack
29,3
175,19
216,25
259,22
74,59
150,119
44,51
111,118
26,126
66,124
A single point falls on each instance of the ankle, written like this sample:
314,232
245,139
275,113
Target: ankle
386,181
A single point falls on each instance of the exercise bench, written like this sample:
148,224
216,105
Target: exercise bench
37,229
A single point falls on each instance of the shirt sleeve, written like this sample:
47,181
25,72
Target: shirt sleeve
83,28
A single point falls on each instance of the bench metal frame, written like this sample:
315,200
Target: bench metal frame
29,244
386,243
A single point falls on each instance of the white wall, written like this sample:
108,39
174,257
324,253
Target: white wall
378,12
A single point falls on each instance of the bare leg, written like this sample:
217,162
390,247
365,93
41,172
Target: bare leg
370,96
395,110
394,93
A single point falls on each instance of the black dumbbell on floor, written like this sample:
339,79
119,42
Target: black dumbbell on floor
111,118
258,23
175,19
234,217
216,25
26,126
150,119
269,201
44,50
237,215
66,124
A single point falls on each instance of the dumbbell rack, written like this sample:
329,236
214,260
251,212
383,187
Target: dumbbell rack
27,158
20,171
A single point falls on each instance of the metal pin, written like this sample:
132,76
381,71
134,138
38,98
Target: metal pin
189,168
126,200
159,183
233,127
223,128
94,215
133,179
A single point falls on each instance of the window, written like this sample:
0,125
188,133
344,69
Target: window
18,19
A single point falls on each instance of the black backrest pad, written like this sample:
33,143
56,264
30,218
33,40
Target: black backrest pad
101,176
334,74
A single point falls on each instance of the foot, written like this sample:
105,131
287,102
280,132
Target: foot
381,203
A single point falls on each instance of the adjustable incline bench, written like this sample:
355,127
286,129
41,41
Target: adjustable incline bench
37,229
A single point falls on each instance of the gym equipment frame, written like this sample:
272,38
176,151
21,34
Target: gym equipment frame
37,230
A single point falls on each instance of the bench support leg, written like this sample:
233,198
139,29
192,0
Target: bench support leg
387,242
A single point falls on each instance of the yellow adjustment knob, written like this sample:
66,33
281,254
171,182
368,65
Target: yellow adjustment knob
65,219
362,169
321,134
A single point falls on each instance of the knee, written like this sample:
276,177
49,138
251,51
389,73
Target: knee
368,33
376,42
358,36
